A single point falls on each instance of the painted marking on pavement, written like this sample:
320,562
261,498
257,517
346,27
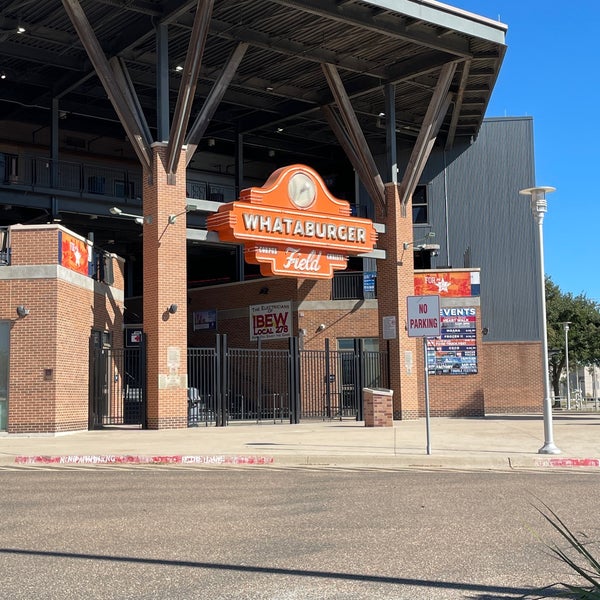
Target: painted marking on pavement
568,462
103,459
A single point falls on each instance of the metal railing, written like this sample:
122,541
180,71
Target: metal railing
35,173
354,286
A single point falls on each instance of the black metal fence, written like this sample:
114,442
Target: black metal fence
332,380
117,387
241,384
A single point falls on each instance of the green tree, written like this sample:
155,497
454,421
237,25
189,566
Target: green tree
584,330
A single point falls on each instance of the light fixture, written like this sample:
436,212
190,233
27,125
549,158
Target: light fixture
427,236
21,29
321,327
2,75
539,207
211,142
172,309
188,208
279,130
139,219
271,153
22,311
179,68
421,244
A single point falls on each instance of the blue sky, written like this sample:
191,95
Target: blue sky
551,72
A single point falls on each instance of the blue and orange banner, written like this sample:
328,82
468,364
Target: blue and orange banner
448,284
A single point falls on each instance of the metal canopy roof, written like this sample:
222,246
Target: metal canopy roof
276,94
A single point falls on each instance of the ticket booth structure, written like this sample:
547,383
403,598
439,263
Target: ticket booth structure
59,296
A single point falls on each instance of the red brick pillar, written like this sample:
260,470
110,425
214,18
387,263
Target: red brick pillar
395,281
378,407
165,256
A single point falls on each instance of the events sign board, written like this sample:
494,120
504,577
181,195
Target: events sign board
271,321
454,352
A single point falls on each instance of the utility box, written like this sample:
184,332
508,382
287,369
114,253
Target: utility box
378,406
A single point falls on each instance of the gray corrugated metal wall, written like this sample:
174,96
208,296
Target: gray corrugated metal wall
477,187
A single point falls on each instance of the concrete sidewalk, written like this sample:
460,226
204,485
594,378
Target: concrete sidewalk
497,442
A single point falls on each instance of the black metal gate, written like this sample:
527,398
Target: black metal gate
242,384
117,386
332,380
259,384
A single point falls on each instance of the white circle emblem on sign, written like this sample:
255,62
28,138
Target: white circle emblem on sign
301,190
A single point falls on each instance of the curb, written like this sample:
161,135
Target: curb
112,459
417,462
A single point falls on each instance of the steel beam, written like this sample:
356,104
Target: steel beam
458,103
162,82
124,111
213,100
438,106
189,79
354,132
124,81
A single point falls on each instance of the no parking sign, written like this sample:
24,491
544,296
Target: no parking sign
423,316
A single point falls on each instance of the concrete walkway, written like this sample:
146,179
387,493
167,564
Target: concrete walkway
497,442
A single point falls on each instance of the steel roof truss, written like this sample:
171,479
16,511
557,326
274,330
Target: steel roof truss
350,149
380,22
438,106
124,81
353,130
458,103
90,42
213,100
189,79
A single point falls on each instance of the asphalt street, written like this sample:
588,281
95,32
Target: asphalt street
283,533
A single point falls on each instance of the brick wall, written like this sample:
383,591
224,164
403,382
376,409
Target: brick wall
49,348
513,377
311,306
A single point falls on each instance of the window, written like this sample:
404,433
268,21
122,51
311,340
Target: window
11,168
419,205
124,189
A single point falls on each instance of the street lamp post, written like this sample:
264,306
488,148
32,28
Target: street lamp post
539,207
566,326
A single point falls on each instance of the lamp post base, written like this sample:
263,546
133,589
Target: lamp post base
549,448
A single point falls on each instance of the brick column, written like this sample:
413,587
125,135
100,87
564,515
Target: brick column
165,255
378,408
395,281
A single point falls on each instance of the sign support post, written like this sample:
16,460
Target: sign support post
427,418
423,320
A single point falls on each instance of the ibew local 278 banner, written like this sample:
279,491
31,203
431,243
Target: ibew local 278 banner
271,321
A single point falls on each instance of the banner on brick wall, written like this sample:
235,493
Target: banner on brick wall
271,321
73,253
448,284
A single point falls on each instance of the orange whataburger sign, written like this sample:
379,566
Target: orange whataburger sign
293,226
